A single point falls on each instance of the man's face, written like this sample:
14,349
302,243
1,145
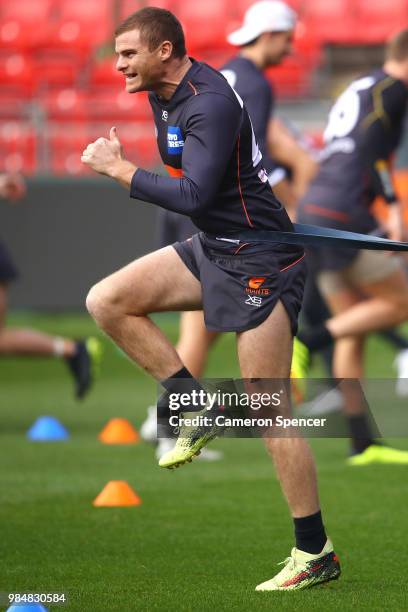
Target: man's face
142,68
277,46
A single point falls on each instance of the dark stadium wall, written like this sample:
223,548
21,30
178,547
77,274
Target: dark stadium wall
68,234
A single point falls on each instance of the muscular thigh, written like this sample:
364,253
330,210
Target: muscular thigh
157,282
395,285
342,300
266,350
338,293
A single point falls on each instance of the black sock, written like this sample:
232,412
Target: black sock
316,338
182,382
310,534
360,432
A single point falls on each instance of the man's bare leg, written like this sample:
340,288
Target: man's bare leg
348,353
28,341
194,342
266,352
348,368
121,303
386,306
81,357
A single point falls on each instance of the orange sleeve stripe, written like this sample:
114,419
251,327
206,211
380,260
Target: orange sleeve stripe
174,172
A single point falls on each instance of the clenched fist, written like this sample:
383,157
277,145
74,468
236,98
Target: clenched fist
103,154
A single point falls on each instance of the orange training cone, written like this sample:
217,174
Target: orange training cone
119,431
117,493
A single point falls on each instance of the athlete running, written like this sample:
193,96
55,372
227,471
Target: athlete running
366,291
206,140
264,41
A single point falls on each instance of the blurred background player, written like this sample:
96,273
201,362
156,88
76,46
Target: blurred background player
78,355
264,40
365,291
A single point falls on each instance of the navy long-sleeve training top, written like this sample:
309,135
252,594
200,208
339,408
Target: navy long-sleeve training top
207,144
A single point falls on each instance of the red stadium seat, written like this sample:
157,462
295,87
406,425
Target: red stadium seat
17,19
57,68
307,46
65,105
104,74
65,145
381,19
291,79
127,7
82,24
18,148
331,21
239,7
75,33
215,58
86,10
16,74
204,23
141,149
12,106
118,106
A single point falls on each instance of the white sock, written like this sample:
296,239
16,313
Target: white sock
59,347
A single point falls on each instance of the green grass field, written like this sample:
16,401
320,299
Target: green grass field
206,534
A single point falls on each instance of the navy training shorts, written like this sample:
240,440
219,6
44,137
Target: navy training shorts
8,271
242,285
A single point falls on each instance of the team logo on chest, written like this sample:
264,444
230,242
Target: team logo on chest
165,115
175,141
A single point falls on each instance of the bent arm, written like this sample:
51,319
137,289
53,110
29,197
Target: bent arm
212,130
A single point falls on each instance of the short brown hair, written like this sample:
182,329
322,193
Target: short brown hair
397,47
156,25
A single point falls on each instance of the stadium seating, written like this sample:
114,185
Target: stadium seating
80,25
48,65
65,143
114,106
82,106
65,105
103,74
57,68
331,21
139,144
381,19
16,74
240,6
18,150
204,23
24,23
127,7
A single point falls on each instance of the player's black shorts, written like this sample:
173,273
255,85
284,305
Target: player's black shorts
241,285
8,271
172,227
